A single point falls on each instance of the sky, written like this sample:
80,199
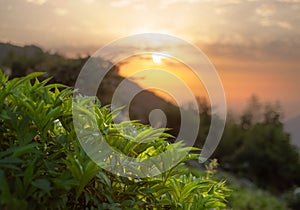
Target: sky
254,44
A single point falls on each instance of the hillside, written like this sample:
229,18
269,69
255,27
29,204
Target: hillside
27,59
7,49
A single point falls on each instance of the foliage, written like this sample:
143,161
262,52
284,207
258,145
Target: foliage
243,196
259,149
292,197
42,165
267,157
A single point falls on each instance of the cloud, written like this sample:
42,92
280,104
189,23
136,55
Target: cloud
39,2
88,1
220,11
289,1
121,3
223,2
270,15
60,11
284,24
266,22
266,10
135,4
272,50
166,3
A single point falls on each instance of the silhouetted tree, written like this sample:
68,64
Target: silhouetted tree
260,149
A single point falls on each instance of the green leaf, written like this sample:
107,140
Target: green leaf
18,151
5,192
28,174
11,160
42,184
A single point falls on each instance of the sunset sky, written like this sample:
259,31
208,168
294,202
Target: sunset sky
254,44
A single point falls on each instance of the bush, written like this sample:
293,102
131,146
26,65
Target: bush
42,165
251,199
260,150
244,196
292,198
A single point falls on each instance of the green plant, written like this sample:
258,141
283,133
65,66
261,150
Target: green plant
292,198
244,196
259,149
42,165
251,199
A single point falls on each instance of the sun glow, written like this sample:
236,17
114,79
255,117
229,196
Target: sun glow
156,58
139,68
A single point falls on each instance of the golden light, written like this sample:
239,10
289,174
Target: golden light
156,58
164,62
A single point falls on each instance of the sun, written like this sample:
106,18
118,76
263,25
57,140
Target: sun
156,58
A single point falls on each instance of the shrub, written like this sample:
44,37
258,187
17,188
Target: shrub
42,165
260,150
251,199
292,198
245,196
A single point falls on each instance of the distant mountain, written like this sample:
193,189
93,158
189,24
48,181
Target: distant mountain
292,126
